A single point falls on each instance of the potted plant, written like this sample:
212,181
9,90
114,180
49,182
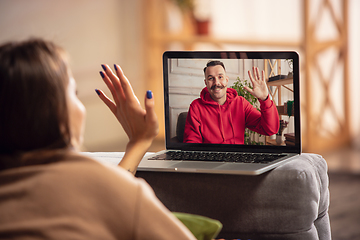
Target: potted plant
200,13
249,136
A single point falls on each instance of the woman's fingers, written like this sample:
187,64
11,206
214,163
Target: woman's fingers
125,84
111,79
108,102
111,83
138,123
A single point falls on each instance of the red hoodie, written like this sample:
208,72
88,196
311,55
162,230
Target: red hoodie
209,122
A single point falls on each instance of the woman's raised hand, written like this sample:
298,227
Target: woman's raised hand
141,125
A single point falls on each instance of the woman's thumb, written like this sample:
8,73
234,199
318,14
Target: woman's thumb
150,105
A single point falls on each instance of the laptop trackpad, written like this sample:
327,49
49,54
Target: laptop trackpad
157,164
196,165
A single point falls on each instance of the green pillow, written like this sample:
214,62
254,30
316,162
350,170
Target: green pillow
203,228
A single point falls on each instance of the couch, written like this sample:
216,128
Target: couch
288,202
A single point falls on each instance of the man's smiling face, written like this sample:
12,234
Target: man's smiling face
216,82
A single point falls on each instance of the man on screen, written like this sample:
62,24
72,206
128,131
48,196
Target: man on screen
220,116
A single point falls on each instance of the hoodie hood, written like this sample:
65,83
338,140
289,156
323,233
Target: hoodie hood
205,96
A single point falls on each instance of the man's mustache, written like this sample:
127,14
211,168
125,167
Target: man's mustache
217,86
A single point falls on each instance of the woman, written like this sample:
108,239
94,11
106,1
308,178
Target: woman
47,189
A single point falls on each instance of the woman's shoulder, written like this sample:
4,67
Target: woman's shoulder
84,178
77,165
77,175
71,169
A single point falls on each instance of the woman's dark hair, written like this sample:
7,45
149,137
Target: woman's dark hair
33,111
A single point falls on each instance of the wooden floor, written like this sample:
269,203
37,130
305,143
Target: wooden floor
344,208
344,178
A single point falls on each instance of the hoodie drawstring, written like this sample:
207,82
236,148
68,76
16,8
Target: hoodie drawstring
221,124
232,127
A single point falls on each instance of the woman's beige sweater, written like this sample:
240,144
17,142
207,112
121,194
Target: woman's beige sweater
79,198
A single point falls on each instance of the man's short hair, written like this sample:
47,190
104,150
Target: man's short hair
212,63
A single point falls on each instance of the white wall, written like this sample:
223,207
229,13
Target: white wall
257,19
93,32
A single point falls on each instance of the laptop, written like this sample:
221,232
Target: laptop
183,77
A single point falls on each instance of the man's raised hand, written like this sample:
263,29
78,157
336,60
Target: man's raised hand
258,81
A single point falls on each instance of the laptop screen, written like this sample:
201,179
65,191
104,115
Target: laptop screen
207,106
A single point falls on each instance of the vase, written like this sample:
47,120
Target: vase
278,139
202,27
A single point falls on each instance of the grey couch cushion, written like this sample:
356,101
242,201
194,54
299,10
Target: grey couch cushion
289,202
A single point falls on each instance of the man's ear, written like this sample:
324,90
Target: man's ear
205,81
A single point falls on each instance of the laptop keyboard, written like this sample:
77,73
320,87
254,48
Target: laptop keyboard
219,156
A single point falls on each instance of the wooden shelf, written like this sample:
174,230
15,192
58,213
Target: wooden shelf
280,82
273,142
281,111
